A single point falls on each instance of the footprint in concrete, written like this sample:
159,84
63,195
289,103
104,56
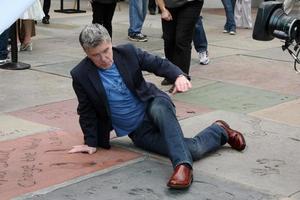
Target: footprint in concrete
72,165
146,193
91,191
268,166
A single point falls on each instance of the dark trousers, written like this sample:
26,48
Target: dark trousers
3,44
178,34
103,14
46,8
152,5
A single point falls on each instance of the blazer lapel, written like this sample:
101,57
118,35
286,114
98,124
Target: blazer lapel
96,82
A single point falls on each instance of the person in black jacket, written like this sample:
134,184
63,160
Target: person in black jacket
178,18
113,94
103,12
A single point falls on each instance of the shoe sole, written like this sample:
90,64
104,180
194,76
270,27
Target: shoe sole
204,63
137,40
181,187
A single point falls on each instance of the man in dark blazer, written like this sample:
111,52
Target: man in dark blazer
113,94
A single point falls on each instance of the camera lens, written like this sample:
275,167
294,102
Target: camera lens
283,26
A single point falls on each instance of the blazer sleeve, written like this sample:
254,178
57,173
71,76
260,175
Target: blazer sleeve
157,65
87,115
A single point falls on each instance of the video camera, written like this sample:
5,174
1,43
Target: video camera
274,19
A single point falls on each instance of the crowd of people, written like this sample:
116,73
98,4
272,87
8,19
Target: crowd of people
176,40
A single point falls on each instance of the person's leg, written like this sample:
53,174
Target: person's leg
208,140
98,15
3,45
186,19
160,132
144,9
199,39
169,33
152,7
200,42
46,8
108,13
27,28
137,14
229,10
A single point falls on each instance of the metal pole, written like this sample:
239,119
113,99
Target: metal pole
14,64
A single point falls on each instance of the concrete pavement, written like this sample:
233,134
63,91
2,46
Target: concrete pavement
248,83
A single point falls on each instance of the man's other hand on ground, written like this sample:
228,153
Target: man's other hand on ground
83,149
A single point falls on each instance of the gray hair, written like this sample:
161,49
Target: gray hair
92,35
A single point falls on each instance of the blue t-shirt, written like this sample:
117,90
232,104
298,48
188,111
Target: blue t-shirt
127,111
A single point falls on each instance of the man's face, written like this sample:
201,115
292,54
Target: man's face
101,55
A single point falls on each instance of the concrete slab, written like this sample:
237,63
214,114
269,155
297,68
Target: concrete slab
230,97
254,72
39,161
245,42
146,180
58,49
61,69
62,115
287,113
184,110
13,127
27,88
270,161
216,52
275,53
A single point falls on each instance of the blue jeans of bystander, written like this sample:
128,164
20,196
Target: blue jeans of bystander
137,14
229,10
199,39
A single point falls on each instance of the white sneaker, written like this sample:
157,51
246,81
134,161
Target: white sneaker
232,32
203,57
2,62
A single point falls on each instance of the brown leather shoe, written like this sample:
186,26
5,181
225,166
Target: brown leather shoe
181,178
235,139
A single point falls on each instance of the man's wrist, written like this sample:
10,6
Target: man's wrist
185,75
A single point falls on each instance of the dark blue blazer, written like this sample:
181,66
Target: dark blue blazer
93,109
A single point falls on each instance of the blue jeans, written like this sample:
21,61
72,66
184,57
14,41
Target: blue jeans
3,44
137,15
229,10
160,132
199,39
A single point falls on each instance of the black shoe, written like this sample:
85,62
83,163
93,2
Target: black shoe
138,37
45,20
